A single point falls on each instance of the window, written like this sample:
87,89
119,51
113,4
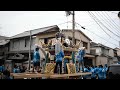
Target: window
85,45
75,41
13,44
25,42
46,40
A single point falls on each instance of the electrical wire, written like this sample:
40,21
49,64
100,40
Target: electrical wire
97,23
106,27
108,22
63,23
98,35
112,21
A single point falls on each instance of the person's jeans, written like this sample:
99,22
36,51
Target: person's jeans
65,66
81,66
60,66
77,67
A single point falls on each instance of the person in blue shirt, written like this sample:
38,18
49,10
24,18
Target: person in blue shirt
105,71
80,55
93,71
86,70
101,72
36,59
96,71
77,69
59,58
16,69
65,66
1,69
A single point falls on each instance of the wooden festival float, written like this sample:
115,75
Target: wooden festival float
69,52
48,71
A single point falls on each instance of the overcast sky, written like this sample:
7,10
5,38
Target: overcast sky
15,22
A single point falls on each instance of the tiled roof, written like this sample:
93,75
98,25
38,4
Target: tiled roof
36,31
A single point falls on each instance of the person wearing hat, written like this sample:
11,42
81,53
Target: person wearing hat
80,55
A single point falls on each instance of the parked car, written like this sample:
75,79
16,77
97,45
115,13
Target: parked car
113,71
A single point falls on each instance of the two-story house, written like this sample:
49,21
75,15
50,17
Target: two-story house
4,43
84,42
117,53
104,55
20,44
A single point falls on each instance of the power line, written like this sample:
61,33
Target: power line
115,24
97,23
106,27
98,35
110,25
112,12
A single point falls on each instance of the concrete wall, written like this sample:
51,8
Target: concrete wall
110,61
19,44
111,52
79,36
40,38
101,60
118,52
94,61
98,51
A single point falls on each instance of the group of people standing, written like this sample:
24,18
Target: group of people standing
19,69
4,72
97,72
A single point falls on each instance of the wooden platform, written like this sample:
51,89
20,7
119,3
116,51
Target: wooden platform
29,75
68,75
39,75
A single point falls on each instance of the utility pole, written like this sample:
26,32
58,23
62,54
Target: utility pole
119,18
30,51
119,44
73,26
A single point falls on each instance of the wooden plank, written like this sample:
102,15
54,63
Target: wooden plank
68,75
65,49
20,76
38,75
